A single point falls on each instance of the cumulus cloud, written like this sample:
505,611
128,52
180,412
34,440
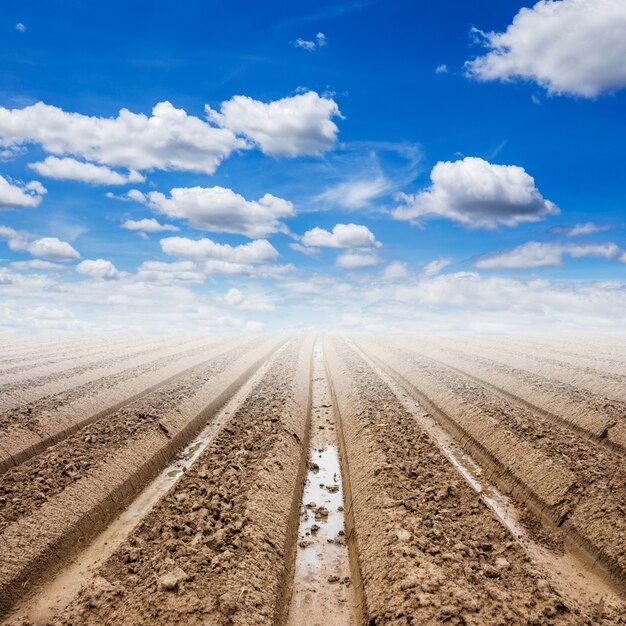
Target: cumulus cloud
311,46
572,47
298,247
178,272
169,139
20,27
434,267
222,210
341,236
71,169
356,260
539,254
235,298
35,264
588,228
441,69
216,258
98,268
52,249
395,270
478,194
148,225
19,195
293,126
355,194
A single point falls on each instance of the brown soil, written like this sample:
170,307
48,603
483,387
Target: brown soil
430,552
33,426
53,503
214,550
480,478
567,480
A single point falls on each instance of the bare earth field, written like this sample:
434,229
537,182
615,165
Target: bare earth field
312,480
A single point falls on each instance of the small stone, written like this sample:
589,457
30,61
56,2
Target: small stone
333,579
171,580
502,564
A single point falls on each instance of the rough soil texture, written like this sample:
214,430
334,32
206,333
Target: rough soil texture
52,503
579,373
430,552
214,550
73,402
566,479
581,408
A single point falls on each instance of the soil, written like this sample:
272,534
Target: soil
336,481
213,550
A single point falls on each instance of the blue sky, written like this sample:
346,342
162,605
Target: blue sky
431,167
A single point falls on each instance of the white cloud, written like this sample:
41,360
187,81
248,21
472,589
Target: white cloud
169,139
250,302
98,268
538,254
572,47
19,195
478,194
222,210
35,264
222,259
342,236
178,272
356,260
355,194
52,249
71,169
441,69
298,247
148,225
396,270
20,27
305,44
294,126
310,46
588,228
434,267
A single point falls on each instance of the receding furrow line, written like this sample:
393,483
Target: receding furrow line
61,348
430,551
597,417
611,384
215,549
600,438
29,381
52,421
100,474
567,573
29,399
555,491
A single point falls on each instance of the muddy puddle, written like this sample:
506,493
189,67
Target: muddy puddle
58,593
322,589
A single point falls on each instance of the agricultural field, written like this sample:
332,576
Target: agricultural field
305,480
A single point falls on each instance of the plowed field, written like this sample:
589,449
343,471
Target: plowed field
312,480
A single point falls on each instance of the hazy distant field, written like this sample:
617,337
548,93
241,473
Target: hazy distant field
456,480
